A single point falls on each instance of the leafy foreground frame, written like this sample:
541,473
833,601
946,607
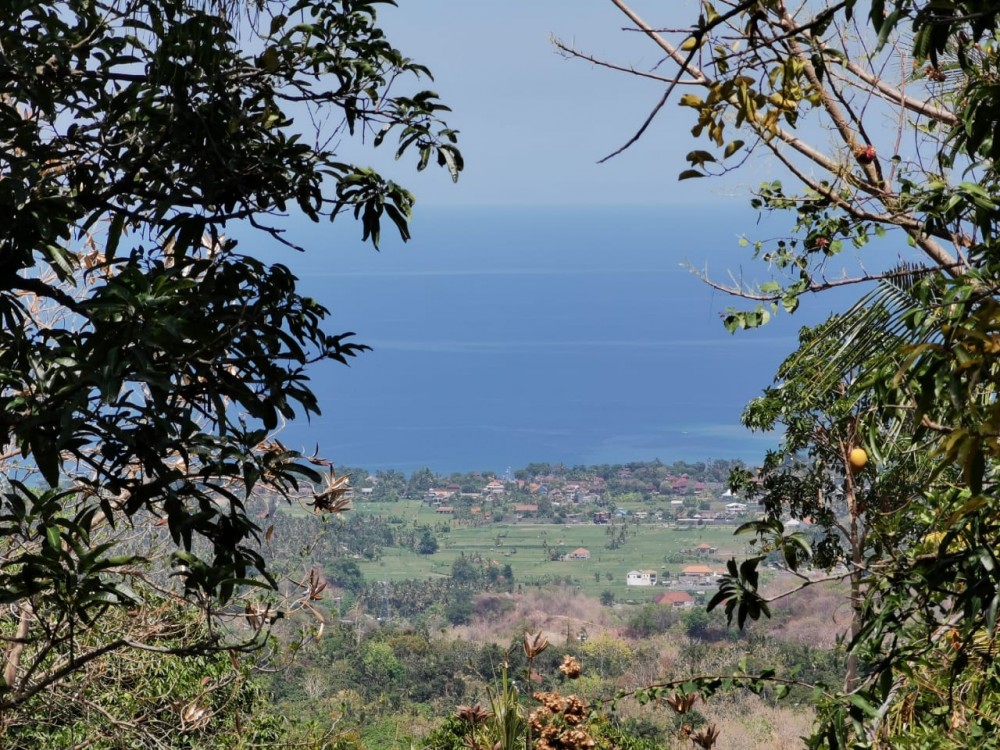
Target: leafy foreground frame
145,361
880,118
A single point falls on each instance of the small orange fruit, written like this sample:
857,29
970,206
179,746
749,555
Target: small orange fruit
858,459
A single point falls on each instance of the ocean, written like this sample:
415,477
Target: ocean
509,335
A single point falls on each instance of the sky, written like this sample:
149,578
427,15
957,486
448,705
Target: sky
533,123
533,126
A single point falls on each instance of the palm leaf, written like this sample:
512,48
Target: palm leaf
868,337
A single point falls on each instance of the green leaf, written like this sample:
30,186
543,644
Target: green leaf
269,60
53,537
277,23
732,148
859,701
699,158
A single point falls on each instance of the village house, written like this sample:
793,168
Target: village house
641,578
581,553
706,549
676,599
697,574
496,487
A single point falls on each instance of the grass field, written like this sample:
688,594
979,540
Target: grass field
526,546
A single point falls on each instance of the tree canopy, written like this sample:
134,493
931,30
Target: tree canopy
882,118
146,361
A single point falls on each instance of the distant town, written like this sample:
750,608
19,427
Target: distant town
508,512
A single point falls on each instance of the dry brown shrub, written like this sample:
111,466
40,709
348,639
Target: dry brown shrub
748,723
814,616
745,722
553,612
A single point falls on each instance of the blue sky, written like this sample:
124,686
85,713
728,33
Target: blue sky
533,124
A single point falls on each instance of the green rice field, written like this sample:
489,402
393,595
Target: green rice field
527,546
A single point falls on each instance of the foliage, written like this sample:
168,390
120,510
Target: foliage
428,543
411,598
650,620
459,609
366,674
145,361
149,700
345,574
882,117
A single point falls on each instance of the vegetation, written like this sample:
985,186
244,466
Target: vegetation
399,685
145,361
400,651
146,700
883,117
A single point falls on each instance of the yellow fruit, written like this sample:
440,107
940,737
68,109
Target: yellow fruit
858,459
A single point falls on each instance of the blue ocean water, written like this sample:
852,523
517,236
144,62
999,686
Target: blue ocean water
503,336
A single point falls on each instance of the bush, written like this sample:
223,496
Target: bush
459,609
428,544
651,619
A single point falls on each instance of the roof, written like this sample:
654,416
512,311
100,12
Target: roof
697,570
674,597
580,551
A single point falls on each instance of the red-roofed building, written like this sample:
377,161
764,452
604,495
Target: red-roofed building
697,571
676,599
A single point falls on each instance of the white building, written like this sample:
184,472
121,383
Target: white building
641,578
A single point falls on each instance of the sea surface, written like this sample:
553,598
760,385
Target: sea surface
503,336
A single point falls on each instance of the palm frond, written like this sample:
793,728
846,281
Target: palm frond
865,338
